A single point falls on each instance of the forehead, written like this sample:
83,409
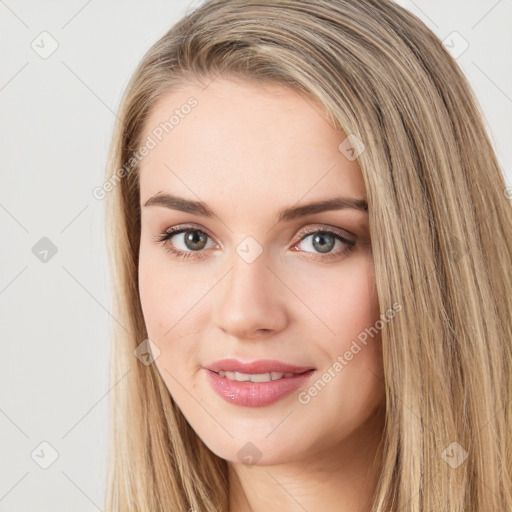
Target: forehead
245,142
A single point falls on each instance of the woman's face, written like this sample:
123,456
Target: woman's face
250,283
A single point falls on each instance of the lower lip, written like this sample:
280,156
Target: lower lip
256,394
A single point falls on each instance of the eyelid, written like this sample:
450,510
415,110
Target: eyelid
350,237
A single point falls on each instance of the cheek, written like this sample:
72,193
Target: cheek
170,326
352,348
348,308
357,300
171,305
345,300
165,297
151,286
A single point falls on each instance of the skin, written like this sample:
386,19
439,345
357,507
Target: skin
247,151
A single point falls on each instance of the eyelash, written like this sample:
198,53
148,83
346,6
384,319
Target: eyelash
165,237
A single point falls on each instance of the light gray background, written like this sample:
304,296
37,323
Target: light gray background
57,116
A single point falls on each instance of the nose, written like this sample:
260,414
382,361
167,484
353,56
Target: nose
250,302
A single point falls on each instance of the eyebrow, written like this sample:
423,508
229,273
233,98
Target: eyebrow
286,214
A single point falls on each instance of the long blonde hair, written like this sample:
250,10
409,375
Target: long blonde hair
441,231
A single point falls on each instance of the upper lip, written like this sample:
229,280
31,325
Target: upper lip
260,366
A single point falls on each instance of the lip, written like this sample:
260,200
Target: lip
260,366
256,394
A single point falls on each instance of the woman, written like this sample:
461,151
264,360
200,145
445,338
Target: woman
311,250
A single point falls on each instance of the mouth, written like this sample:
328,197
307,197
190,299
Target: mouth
256,389
257,383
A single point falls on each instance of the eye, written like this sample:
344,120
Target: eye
190,242
189,238
324,241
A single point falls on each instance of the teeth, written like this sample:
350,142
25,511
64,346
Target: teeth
254,377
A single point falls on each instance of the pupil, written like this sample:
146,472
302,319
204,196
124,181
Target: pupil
320,239
195,240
